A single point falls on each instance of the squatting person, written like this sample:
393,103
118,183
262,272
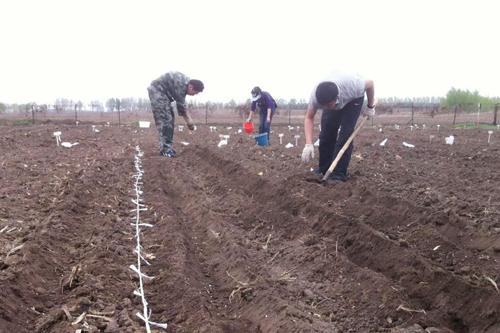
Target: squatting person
267,107
341,98
168,88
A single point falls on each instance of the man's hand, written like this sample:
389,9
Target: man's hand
249,119
268,120
369,112
308,152
189,122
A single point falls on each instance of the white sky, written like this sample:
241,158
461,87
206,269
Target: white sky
97,49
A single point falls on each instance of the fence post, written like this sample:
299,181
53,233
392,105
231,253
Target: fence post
478,112
289,115
206,114
32,113
455,114
76,113
412,111
495,114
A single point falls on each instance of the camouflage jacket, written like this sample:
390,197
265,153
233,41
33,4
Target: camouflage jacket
174,85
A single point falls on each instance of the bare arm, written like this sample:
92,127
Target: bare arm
370,92
309,124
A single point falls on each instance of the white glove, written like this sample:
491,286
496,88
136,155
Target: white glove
308,152
369,112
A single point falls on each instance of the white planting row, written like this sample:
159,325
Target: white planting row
139,206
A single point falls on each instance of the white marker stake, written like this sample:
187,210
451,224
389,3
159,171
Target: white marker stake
430,138
297,137
281,138
489,136
411,128
58,137
438,126
181,128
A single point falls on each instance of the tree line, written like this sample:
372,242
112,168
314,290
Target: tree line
454,98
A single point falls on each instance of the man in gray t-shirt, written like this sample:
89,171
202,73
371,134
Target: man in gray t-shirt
340,96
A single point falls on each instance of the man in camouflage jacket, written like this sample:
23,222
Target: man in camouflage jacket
163,92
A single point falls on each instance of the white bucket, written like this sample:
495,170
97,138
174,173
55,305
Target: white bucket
449,139
144,124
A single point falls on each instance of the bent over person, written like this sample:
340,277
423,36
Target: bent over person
168,88
340,97
267,107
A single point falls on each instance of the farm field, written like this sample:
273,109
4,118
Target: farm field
241,241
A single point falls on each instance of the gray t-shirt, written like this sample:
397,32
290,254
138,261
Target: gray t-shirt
351,86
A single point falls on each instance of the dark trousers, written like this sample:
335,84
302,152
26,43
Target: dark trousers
336,127
264,125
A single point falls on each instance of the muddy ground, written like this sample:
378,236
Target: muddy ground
242,242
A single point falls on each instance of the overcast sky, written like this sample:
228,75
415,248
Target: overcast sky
97,49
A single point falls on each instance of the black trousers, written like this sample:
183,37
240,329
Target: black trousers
336,127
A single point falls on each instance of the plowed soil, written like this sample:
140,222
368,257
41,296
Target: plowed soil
242,241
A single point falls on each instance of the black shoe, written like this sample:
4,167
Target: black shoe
316,171
168,153
338,177
332,181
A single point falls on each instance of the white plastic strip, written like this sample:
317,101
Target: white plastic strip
139,207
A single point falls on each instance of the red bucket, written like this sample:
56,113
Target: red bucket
248,127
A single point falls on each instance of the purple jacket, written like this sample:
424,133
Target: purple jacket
266,101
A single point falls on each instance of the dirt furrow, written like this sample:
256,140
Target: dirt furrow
405,267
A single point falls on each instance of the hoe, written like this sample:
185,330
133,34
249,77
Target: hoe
339,155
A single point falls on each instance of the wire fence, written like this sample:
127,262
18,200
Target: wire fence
402,114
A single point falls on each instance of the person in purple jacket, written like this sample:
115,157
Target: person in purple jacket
267,107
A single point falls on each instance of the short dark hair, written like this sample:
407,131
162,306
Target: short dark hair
326,92
197,85
256,91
